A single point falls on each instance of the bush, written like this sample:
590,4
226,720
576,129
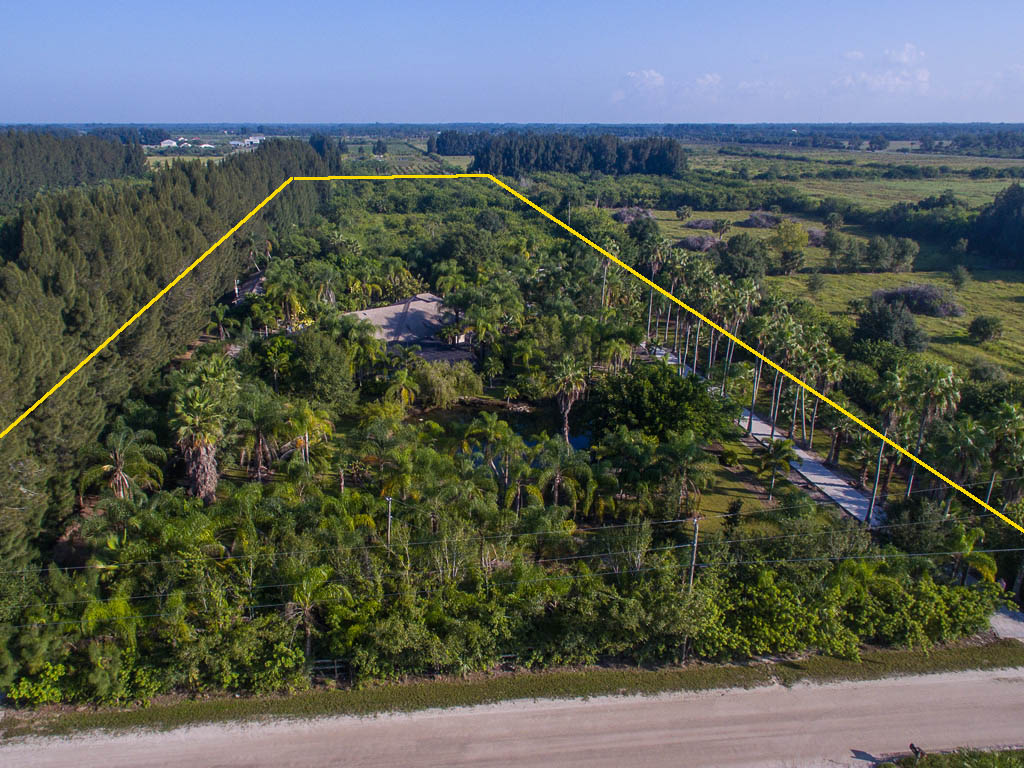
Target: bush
922,300
889,322
815,282
959,276
986,370
985,328
45,689
729,458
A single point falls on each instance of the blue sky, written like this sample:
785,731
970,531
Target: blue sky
316,61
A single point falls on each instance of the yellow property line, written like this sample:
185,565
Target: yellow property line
568,229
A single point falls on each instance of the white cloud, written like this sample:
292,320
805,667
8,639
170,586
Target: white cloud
908,54
709,80
889,80
646,79
853,55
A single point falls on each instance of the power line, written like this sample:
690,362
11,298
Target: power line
563,577
535,562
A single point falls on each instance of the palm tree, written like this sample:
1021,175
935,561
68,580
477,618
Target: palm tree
1006,427
313,590
262,426
613,248
126,461
285,288
569,382
687,464
220,322
863,454
564,470
403,387
309,425
450,278
968,443
831,366
199,424
936,390
776,458
963,543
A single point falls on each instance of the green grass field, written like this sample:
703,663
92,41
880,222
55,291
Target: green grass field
882,193
999,293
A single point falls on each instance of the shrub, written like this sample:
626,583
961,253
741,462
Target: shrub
815,282
985,328
889,322
922,300
986,370
45,689
729,458
959,276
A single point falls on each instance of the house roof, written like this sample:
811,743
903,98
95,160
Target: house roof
409,321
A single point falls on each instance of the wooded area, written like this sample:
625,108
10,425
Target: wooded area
293,490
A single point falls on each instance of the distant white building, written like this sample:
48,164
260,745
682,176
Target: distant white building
206,146
186,144
235,143
168,143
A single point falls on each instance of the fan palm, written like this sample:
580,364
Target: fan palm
126,461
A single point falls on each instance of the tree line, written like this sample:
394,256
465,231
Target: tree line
31,161
513,154
76,263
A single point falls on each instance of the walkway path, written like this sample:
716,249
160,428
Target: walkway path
831,483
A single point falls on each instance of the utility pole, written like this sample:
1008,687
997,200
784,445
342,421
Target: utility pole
389,521
878,473
693,553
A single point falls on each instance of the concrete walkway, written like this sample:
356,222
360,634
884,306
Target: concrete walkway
832,484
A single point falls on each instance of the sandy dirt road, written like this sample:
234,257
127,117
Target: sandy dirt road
845,724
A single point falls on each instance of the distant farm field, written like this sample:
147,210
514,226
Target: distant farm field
882,193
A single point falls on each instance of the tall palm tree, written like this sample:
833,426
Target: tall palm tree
286,289
565,470
569,382
199,424
777,456
687,464
968,443
309,425
1006,427
831,368
313,590
936,392
262,426
126,461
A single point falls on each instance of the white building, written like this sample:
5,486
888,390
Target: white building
168,143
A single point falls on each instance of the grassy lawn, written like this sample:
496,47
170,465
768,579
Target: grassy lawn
882,193
565,683
966,758
673,228
999,293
